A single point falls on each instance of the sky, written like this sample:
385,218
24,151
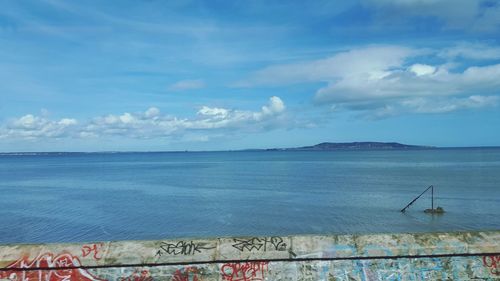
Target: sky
220,75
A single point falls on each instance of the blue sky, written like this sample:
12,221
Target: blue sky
212,75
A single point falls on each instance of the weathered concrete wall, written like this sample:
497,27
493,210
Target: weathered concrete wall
431,256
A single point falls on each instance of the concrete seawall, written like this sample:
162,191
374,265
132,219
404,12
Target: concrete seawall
425,256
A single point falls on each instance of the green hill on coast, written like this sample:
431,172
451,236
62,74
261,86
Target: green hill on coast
325,146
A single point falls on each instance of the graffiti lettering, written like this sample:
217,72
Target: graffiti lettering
189,273
247,271
93,248
260,244
138,276
182,248
492,263
48,260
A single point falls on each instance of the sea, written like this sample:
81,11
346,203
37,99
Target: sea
84,197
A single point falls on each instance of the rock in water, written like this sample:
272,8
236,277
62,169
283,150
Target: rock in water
438,210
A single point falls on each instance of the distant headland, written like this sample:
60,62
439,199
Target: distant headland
326,146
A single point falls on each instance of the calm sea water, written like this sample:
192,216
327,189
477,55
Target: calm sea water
89,197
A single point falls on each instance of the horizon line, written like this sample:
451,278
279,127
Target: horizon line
289,149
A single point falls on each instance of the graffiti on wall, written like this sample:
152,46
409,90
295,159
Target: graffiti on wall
492,263
244,271
452,268
95,250
189,273
138,275
260,244
48,260
321,261
182,248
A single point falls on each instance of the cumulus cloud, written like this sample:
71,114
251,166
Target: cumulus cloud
152,112
213,117
275,106
422,69
213,111
30,127
187,85
418,80
152,124
147,125
379,78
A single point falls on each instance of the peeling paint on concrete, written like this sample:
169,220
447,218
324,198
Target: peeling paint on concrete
423,256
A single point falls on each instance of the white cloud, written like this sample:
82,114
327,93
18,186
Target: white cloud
412,82
30,127
143,125
275,106
213,111
422,69
380,77
152,112
213,117
152,124
372,62
187,85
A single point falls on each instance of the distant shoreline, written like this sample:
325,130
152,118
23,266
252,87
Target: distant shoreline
322,147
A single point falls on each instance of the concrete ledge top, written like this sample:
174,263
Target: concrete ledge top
302,247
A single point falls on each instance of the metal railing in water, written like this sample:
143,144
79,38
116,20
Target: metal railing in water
416,198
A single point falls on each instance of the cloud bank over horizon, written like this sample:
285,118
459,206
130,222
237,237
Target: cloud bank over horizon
149,124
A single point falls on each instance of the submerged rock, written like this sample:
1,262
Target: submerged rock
438,210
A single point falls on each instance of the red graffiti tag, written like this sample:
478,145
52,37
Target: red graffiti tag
245,271
48,260
189,273
92,248
492,262
144,275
